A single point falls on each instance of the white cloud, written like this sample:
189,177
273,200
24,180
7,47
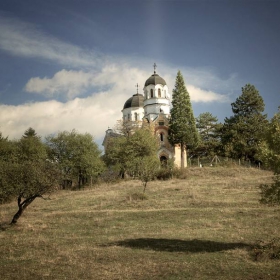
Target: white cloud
23,39
68,83
85,115
200,95
92,114
74,83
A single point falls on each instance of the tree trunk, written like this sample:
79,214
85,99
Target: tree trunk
21,207
182,156
17,215
145,185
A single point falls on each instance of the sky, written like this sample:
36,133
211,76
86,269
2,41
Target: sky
72,64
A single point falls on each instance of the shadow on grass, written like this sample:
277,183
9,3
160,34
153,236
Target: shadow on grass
4,226
177,245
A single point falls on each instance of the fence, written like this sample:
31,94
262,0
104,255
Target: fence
222,161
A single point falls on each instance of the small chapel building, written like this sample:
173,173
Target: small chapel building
153,107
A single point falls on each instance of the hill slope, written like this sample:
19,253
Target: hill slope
201,227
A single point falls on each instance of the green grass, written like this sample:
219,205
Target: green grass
203,227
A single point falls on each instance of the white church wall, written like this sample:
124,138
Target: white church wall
129,114
177,157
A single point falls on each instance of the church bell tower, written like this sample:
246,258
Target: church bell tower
156,97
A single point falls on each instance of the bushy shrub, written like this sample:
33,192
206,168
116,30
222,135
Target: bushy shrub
264,251
164,174
180,173
270,194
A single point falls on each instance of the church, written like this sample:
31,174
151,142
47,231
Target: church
153,107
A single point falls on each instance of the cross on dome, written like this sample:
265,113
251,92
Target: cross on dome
137,86
155,66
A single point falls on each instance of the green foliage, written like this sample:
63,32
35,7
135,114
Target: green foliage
134,153
166,170
25,171
30,179
30,132
182,127
209,134
145,168
6,191
270,193
270,155
77,156
273,136
31,148
123,151
243,133
8,150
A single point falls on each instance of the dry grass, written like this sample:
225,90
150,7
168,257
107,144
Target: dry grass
202,227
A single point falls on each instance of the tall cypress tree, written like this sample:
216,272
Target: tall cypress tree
182,127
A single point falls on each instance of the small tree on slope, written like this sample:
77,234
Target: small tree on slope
27,173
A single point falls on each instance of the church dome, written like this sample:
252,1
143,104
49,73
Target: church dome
155,79
137,100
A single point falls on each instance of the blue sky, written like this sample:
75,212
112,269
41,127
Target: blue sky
68,64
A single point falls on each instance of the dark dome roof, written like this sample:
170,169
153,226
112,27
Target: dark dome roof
137,100
154,80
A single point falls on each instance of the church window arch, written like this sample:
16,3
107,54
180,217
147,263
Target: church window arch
159,92
161,135
152,93
135,116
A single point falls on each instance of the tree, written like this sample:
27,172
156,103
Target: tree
8,149
208,129
77,155
29,174
243,132
31,147
30,132
123,151
270,155
31,180
273,141
146,169
182,128
8,155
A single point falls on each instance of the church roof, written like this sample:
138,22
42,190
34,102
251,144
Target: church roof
137,100
154,80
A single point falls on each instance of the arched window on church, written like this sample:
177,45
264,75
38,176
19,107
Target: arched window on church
159,92
146,94
165,94
135,116
152,93
161,137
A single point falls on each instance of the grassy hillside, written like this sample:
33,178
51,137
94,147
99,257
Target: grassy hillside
205,226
